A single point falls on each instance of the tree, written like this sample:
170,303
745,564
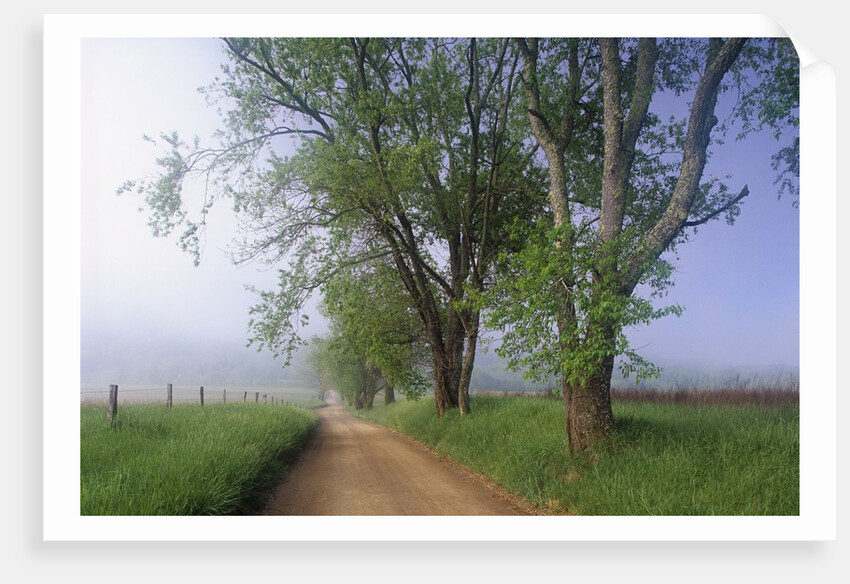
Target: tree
535,179
618,199
348,372
370,314
407,149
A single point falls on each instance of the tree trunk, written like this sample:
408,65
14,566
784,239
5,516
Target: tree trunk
468,363
323,387
447,360
587,402
371,377
445,383
587,408
389,394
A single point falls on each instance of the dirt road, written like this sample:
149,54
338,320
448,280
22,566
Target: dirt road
351,467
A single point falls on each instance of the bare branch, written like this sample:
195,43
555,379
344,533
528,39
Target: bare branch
744,192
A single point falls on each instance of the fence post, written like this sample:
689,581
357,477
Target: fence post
257,397
112,403
224,396
168,396
202,395
265,397
244,397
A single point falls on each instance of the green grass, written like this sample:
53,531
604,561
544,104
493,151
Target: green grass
190,460
662,459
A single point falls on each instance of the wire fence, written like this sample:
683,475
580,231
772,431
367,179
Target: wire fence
170,394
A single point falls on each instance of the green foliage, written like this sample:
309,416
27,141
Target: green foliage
190,460
340,366
271,323
371,316
768,83
551,276
662,459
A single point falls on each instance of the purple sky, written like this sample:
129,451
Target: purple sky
739,285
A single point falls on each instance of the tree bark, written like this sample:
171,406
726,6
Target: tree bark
587,405
370,386
587,401
621,130
587,408
553,145
700,123
444,398
468,362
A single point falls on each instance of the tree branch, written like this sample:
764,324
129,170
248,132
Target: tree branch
303,107
744,192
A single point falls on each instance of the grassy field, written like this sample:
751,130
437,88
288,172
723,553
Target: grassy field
189,460
662,459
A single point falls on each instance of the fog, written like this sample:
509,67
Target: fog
148,315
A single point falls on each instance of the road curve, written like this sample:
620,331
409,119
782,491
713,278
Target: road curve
352,467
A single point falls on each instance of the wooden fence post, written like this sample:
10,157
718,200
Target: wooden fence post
257,397
168,396
112,403
224,396
202,395
244,397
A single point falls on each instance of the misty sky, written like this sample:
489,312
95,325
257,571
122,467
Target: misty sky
739,285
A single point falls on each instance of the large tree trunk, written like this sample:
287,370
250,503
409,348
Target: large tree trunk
389,394
445,380
447,357
587,401
587,408
442,386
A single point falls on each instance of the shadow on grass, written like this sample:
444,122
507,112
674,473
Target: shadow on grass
256,495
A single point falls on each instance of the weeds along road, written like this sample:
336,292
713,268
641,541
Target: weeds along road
352,467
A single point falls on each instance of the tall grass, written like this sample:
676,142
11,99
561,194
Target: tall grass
189,460
662,458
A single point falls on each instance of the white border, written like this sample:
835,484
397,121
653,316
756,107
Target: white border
62,293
